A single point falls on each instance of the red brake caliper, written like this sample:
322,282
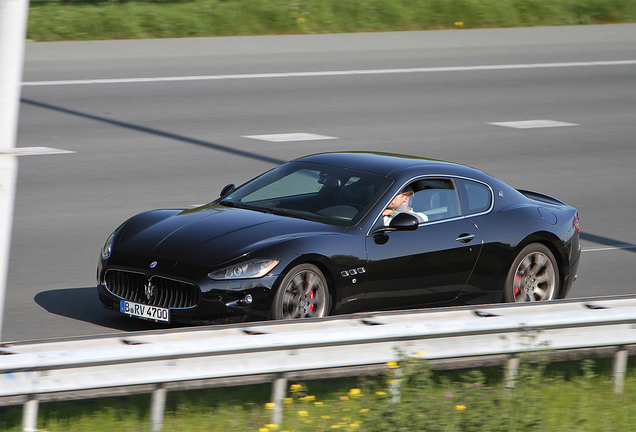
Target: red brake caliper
311,296
516,284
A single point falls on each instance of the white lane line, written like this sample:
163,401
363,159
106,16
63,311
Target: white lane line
34,151
608,248
533,124
289,137
333,73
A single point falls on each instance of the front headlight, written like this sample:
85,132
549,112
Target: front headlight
245,270
108,247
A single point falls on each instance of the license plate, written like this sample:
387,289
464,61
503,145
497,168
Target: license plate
143,311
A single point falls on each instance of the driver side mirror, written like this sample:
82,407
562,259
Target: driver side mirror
401,222
228,189
404,222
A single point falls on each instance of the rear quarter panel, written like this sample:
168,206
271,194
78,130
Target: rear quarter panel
507,231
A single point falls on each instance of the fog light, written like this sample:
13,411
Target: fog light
241,302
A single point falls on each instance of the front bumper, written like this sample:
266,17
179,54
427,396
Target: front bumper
188,301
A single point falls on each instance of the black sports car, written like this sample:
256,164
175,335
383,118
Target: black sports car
338,233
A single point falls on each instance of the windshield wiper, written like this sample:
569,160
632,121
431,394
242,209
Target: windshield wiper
285,212
276,211
246,206
229,204
242,206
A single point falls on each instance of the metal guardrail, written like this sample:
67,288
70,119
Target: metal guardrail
275,351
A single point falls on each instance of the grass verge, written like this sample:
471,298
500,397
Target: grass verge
55,20
547,397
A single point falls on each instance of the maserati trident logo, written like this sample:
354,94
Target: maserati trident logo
149,290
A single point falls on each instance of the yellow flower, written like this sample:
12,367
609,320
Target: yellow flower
364,410
295,388
392,365
326,417
263,429
318,403
354,392
271,426
460,407
289,401
354,425
335,426
303,413
381,393
270,405
459,23
308,398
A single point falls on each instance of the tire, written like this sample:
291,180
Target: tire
533,276
303,293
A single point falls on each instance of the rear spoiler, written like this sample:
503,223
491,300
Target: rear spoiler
541,197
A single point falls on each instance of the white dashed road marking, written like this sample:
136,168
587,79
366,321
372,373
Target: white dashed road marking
533,124
33,151
288,137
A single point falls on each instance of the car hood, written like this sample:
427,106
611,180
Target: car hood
211,235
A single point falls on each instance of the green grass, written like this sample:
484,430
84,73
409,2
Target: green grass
56,20
576,396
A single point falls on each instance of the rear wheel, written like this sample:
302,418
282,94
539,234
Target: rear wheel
303,293
533,276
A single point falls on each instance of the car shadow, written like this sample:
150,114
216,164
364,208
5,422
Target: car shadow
82,304
606,241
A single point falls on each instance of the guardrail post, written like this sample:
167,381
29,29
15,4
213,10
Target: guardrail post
512,369
279,390
620,367
394,386
30,414
158,407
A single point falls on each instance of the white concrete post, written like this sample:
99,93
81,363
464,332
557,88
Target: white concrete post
13,19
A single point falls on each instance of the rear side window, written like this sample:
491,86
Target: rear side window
476,197
436,198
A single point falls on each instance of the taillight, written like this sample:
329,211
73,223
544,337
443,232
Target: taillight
576,223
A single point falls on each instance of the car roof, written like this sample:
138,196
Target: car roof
387,164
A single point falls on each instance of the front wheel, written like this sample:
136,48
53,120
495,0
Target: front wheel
533,276
303,293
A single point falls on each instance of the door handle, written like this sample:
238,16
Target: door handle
465,238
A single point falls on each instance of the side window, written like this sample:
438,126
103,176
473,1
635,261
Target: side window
436,198
476,197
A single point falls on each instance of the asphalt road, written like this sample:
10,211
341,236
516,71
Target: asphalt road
143,141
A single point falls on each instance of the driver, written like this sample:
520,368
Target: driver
400,204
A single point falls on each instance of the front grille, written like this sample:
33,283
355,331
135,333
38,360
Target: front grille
165,292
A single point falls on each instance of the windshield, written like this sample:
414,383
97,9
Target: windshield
322,193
